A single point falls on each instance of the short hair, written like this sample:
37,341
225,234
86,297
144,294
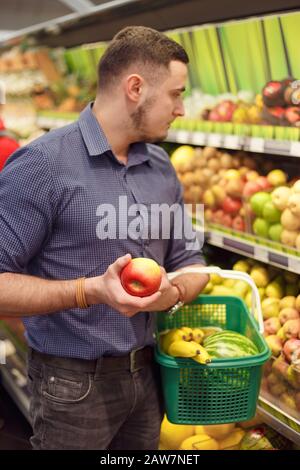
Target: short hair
137,45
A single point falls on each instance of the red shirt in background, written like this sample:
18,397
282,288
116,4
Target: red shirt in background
7,146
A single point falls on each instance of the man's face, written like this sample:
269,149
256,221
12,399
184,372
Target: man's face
162,104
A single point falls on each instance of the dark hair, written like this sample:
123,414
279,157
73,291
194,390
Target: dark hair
137,45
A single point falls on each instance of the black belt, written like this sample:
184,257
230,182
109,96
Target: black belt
135,360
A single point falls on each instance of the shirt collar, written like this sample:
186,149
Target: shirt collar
96,141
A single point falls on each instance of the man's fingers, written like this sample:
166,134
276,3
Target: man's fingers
120,263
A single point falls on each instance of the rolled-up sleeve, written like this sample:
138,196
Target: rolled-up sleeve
185,244
27,206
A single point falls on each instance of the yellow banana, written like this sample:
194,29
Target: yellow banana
188,331
172,335
203,357
198,335
182,348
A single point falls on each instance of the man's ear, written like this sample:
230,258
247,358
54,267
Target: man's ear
134,85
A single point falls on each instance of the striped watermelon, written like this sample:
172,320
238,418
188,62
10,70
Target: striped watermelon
229,344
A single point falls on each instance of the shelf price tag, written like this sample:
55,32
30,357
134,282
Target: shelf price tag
216,239
294,264
232,142
182,137
261,254
198,138
256,144
295,149
214,140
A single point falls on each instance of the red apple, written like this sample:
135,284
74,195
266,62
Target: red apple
263,182
290,346
251,187
141,277
226,220
231,206
239,223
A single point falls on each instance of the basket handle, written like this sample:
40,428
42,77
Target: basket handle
229,274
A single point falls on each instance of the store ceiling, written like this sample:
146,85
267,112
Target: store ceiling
73,22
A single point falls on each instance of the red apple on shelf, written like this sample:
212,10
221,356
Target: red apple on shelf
231,206
141,277
290,346
263,182
226,220
251,187
238,223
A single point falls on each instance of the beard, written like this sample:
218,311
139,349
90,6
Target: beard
139,122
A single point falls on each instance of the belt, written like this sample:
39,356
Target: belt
135,360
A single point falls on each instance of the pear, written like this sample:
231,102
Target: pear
260,276
275,290
270,307
274,344
242,265
290,221
280,197
294,204
288,400
288,302
288,313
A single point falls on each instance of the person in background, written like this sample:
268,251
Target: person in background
92,374
7,143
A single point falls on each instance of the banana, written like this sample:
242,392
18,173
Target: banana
188,331
182,348
198,335
172,335
203,357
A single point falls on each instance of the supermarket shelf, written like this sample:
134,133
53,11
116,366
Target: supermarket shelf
250,249
266,409
236,142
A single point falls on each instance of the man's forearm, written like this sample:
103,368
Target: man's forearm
192,283
23,295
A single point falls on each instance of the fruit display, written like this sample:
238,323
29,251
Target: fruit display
241,192
141,277
277,213
247,435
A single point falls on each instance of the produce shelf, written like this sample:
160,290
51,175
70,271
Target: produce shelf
235,142
281,422
248,248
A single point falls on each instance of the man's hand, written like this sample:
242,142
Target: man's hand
107,289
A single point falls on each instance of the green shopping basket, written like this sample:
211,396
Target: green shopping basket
226,390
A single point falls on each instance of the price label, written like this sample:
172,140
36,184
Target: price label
198,138
261,254
216,239
256,144
295,149
214,140
232,142
294,264
182,137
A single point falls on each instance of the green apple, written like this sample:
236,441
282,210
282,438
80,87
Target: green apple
258,200
261,227
275,232
271,213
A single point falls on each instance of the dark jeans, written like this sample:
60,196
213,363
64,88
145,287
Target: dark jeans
110,403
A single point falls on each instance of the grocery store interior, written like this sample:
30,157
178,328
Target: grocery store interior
236,151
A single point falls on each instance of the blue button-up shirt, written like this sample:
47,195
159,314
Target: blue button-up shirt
50,194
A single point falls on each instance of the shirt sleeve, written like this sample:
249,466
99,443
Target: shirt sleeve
27,206
185,246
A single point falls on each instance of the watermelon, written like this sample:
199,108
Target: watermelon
228,344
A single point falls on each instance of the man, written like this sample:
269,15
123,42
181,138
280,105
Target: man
7,144
91,370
